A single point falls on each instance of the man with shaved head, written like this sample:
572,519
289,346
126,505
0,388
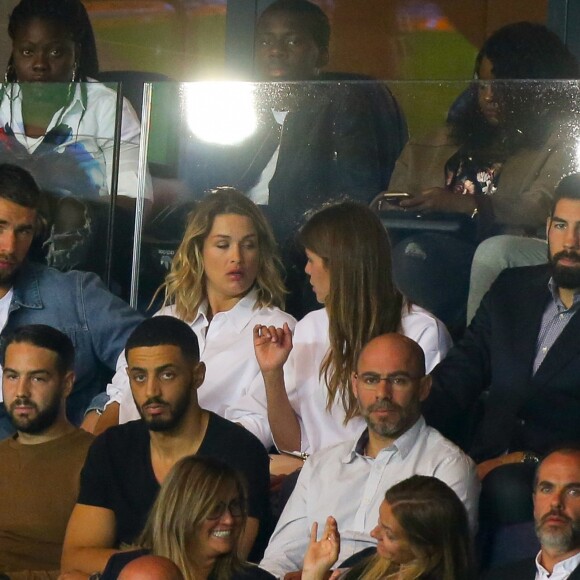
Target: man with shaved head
349,480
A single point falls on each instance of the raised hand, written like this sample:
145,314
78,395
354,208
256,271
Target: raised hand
272,346
321,554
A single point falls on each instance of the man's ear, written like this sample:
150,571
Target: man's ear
323,57
198,373
425,387
68,382
353,384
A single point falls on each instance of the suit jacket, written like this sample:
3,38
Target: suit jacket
524,570
522,411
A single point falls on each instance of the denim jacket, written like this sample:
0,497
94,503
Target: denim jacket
78,304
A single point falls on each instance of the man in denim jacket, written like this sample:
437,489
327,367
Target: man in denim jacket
77,303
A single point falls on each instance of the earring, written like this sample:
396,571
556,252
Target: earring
10,74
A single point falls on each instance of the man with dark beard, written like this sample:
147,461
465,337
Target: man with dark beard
41,464
557,521
522,348
126,464
349,480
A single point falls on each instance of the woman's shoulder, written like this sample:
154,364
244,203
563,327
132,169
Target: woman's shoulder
272,315
418,324
315,320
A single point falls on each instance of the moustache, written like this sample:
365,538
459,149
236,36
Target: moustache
154,401
384,405
568,255
555,514
22,402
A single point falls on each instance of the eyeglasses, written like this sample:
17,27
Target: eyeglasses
371,381
235,507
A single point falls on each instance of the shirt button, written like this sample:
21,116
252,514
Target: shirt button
545,349
561,316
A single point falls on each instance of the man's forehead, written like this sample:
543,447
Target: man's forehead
383,354
567,209
23,355
155,356
283,21
16,214
560,468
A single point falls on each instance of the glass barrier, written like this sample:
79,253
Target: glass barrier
84,155
467,161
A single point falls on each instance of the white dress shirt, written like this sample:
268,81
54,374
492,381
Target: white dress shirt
226,347
307,390
341,481
93,131
562,570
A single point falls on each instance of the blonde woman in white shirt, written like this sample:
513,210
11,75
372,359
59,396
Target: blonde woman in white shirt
224,280
303,400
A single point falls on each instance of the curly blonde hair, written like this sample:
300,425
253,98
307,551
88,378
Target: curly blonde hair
185,284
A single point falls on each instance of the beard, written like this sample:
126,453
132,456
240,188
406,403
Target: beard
406,416
177,411
43,419
562,539
565,276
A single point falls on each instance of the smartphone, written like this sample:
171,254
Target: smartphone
391,198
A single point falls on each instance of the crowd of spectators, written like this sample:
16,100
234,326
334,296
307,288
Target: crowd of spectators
222,437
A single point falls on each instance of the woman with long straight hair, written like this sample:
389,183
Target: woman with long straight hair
303,397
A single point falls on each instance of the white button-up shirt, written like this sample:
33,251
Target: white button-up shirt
89,144
341,481
307,391
226,347
562,570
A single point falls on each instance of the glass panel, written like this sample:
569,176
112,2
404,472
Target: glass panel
64,135
499,148
183,39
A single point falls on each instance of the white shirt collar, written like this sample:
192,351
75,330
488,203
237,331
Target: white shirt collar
240,315
402,444
561,570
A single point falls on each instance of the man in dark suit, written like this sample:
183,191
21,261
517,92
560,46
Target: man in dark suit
522,348
557,522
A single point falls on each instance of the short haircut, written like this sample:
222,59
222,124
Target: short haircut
568,188
18,186
43,336
315,20
164,330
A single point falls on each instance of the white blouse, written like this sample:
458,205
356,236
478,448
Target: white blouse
307,392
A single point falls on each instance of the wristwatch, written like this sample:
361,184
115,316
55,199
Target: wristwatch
530,458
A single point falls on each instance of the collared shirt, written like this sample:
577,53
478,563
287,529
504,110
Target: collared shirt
307,390
226,347
343,482
556,317
562,570
77,137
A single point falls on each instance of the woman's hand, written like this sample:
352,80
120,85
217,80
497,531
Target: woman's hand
441,199
272,346
321,555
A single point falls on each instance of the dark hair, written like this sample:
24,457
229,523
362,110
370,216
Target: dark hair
165,330
70,14
18,186
315,20
44,336
524,51
568,188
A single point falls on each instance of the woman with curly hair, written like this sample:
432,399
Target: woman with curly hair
498,161
422,534
224,279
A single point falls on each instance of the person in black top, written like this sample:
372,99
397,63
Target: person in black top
196,522
126,465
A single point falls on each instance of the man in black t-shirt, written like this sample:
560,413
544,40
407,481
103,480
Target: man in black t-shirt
126,464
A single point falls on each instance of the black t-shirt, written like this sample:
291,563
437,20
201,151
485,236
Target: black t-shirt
118,561
118,474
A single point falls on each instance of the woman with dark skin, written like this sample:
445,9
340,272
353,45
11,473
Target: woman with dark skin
497,161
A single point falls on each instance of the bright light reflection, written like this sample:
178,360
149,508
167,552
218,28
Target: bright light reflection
221,112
